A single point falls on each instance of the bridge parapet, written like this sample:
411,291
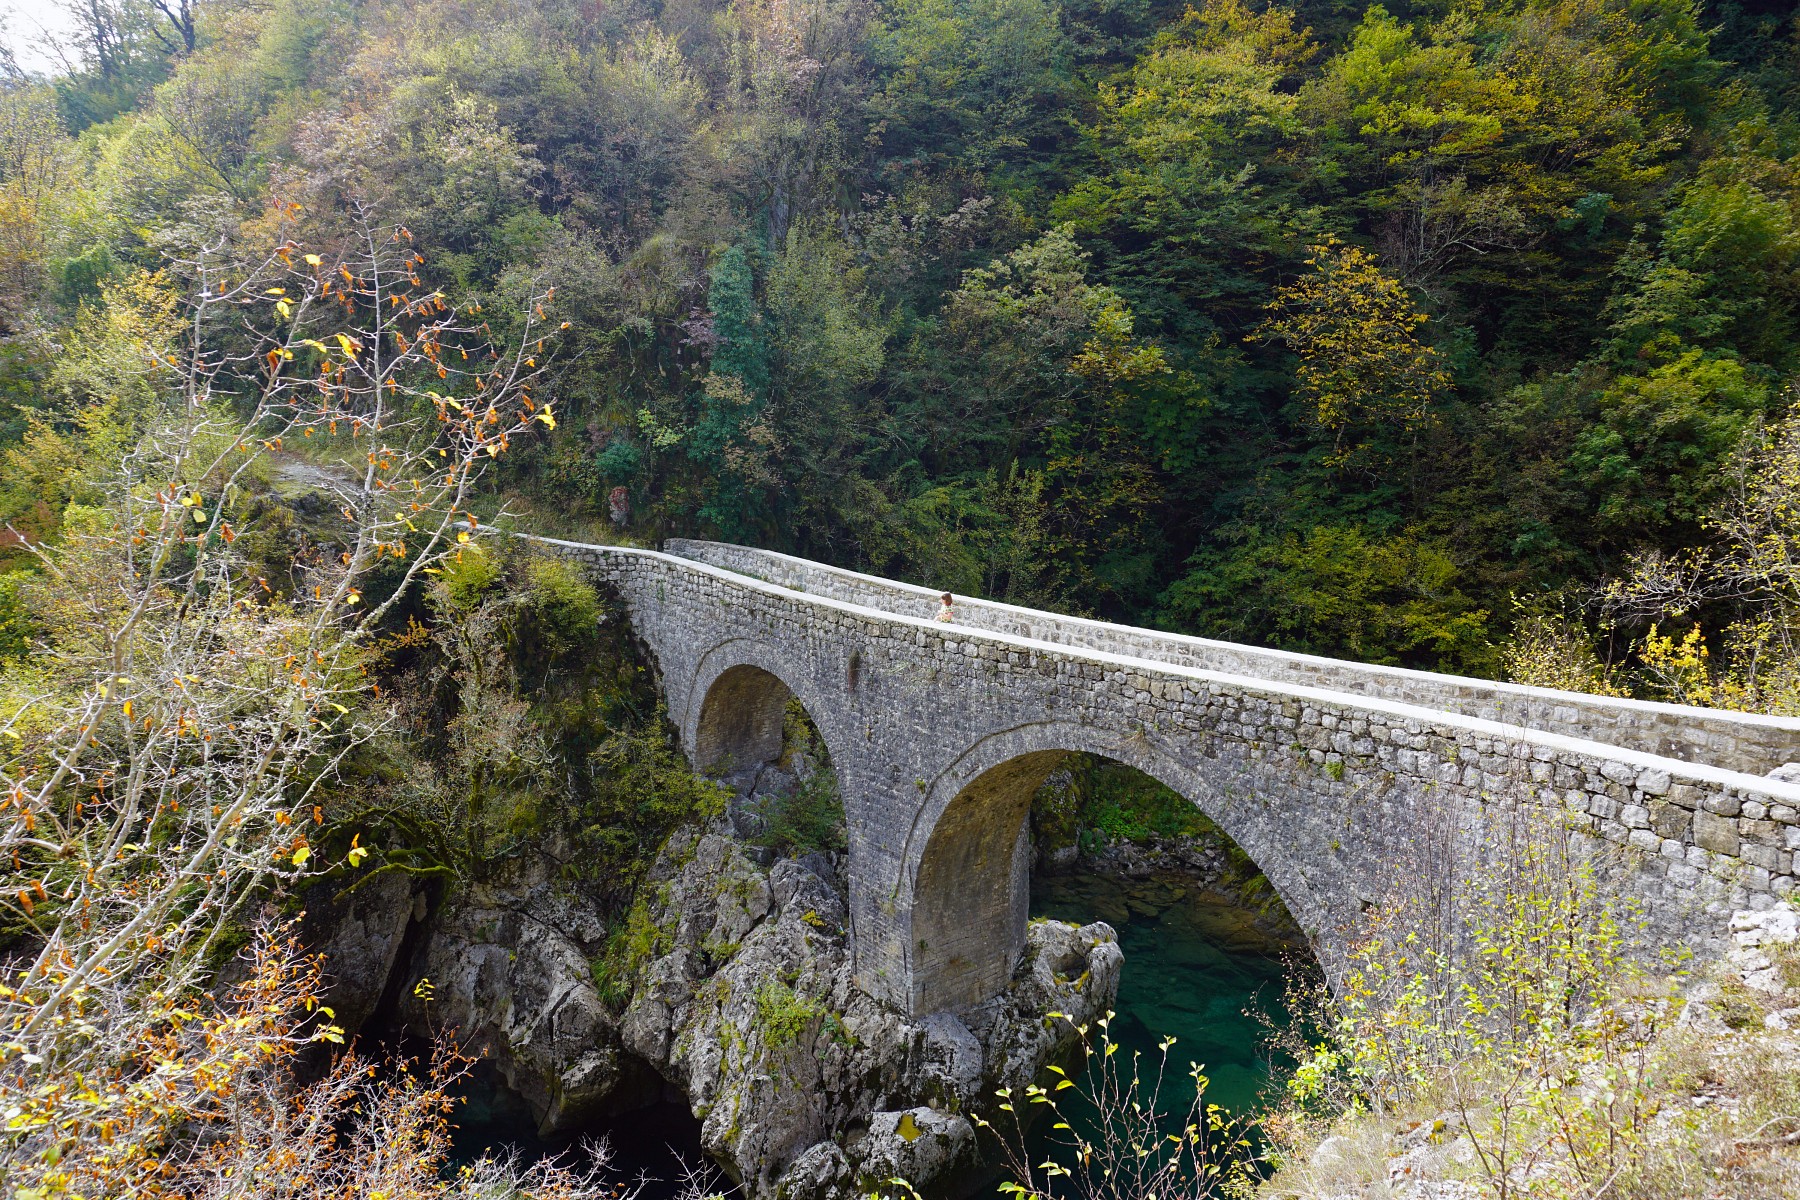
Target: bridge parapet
940,733
1748,742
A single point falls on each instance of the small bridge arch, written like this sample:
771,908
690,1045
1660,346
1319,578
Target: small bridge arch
737,708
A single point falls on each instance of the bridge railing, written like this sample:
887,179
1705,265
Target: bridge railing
1744,742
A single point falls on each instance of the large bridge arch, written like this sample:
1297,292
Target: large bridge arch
965,874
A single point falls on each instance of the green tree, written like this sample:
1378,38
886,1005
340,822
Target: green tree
975,84
1356,333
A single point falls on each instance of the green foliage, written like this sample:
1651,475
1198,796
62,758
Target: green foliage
642,791
1374,315
1539,987
1089,796
809,820
564,609
972,83
470,574
1340,591
17,625
630,943
1656,452
783,1015
1119,1129
1356,332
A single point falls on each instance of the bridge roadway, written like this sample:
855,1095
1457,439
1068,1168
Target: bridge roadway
1346,783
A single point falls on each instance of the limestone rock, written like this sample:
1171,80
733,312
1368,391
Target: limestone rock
819,1173
784,1058
918,1143
1772,926
803,1084
520,990
360,931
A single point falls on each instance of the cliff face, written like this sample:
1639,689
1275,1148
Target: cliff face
741,999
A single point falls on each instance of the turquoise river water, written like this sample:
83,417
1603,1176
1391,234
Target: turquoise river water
1197,968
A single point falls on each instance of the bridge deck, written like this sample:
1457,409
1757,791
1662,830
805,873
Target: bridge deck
1743,742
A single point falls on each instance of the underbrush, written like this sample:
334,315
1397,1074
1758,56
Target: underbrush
808,817
1532,1051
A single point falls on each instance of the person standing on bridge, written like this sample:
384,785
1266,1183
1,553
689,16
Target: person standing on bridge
945,612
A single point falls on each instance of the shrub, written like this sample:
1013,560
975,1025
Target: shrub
808,820
1113,1135
783,1014
1528,1019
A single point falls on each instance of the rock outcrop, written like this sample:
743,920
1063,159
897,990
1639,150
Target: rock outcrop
506,965
743,1000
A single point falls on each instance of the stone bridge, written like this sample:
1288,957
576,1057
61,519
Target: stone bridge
1331,775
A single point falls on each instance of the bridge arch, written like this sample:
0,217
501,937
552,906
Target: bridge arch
965,877
737,708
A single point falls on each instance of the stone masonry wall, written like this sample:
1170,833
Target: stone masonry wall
1335,795
1739,741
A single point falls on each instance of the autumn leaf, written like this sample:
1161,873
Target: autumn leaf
301,855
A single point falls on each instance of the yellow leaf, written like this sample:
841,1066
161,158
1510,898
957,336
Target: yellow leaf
128,710
349,346
199,516
463,536
356,855
301,855
188,502
313,260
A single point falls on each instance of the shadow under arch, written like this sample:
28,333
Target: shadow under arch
738,709
967,874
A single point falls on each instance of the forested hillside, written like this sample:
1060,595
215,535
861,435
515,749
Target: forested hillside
1353,330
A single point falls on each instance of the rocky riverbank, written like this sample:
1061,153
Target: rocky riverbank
737,995
1155,871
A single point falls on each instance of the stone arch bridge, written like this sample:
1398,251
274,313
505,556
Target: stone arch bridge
1327,773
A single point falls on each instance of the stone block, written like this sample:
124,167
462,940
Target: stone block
1715,833
1767,857
1723,803
1684,794
1670,821
1619,772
